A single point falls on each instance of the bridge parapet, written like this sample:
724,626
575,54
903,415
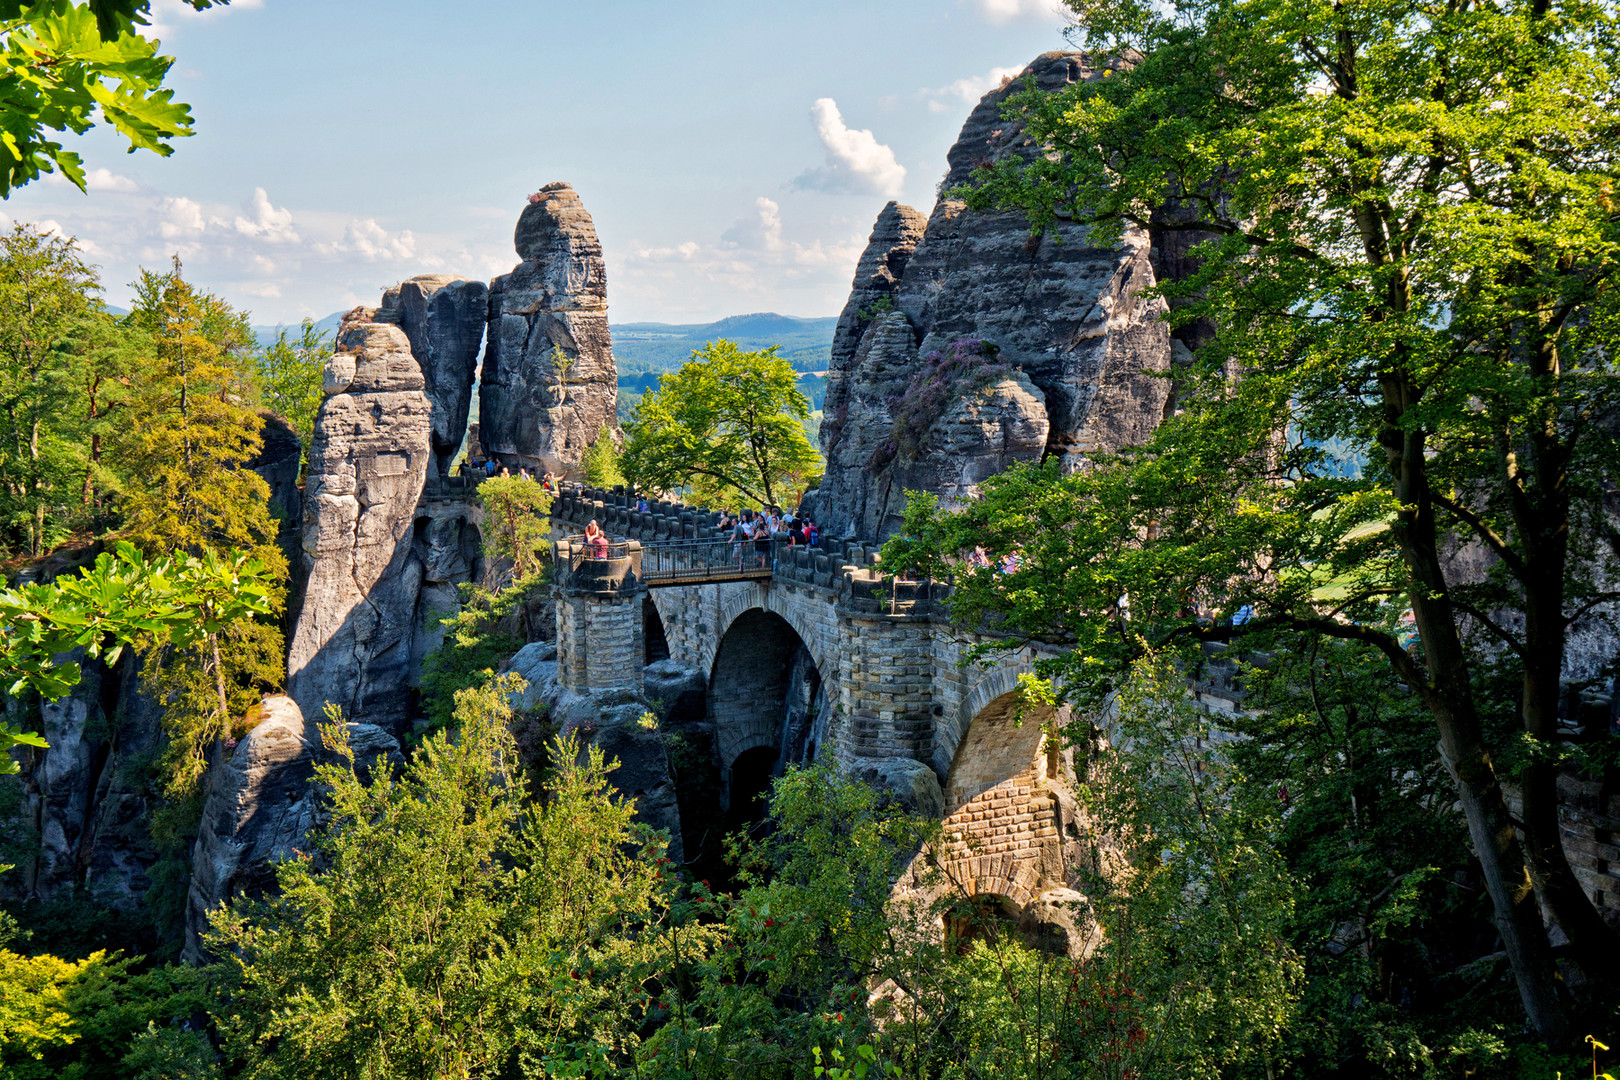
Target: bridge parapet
848,568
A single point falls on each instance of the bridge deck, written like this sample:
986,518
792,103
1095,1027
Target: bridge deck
667,563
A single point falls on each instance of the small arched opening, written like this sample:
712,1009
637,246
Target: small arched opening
655,643
987,917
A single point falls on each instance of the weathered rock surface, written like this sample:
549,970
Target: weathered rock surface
988,419
898,231
260,806
909,783
81,814
553,303
352,642
444,317
1066,313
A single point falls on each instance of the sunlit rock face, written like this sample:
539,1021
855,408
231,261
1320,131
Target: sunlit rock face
549,382
443,316
368,464
1066,317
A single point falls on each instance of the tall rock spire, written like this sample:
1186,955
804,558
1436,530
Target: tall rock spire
549,382
1002,346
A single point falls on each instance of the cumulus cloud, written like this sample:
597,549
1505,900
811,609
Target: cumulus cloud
107,180
180,217
755,264
856,161
759,231
371,241
948,98
1006,11
265,220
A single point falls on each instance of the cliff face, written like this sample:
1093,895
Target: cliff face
367,468
549,382
1065,316
443,316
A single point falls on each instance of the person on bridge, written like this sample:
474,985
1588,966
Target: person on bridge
762,543
741,533
796,534
596,540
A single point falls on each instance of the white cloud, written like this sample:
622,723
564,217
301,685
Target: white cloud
969,89
759,231
856,161
754,265
1006,11
167,16
371,241
266,220
180,217
107,180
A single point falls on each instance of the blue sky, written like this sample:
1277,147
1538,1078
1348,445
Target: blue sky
732,152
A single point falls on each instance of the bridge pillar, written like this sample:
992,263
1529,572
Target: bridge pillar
599,640
599,630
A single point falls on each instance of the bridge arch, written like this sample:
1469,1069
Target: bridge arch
737,600
948,733
764,691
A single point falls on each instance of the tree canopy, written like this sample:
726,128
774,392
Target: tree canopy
62,64
728,425
1408,239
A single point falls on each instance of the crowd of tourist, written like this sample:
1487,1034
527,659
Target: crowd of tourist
489,468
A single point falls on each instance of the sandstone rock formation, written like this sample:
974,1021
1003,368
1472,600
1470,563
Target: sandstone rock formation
1065,313
941,424
370,458
898,231
260,806
81,817
443,316
535,411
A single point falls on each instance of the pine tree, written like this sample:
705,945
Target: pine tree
186,489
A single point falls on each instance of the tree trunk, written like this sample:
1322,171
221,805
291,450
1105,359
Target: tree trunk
1449,696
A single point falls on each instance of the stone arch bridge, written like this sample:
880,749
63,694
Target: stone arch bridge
820,657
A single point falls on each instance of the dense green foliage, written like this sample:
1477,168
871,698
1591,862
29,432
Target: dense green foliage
726,428
441,926
600,462
1408,242
122,599
290,374
486,629
65,63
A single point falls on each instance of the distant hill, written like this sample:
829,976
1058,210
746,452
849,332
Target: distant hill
653,348
267,334
640,348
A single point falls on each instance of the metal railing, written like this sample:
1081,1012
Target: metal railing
687,562
576,551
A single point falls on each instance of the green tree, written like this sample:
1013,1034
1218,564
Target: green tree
185,489
444,924
728,424
600,461
47,296
120,600
291,374
1410,243
62,64
515,523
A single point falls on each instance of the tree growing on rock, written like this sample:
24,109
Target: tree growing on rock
728,425
515,523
